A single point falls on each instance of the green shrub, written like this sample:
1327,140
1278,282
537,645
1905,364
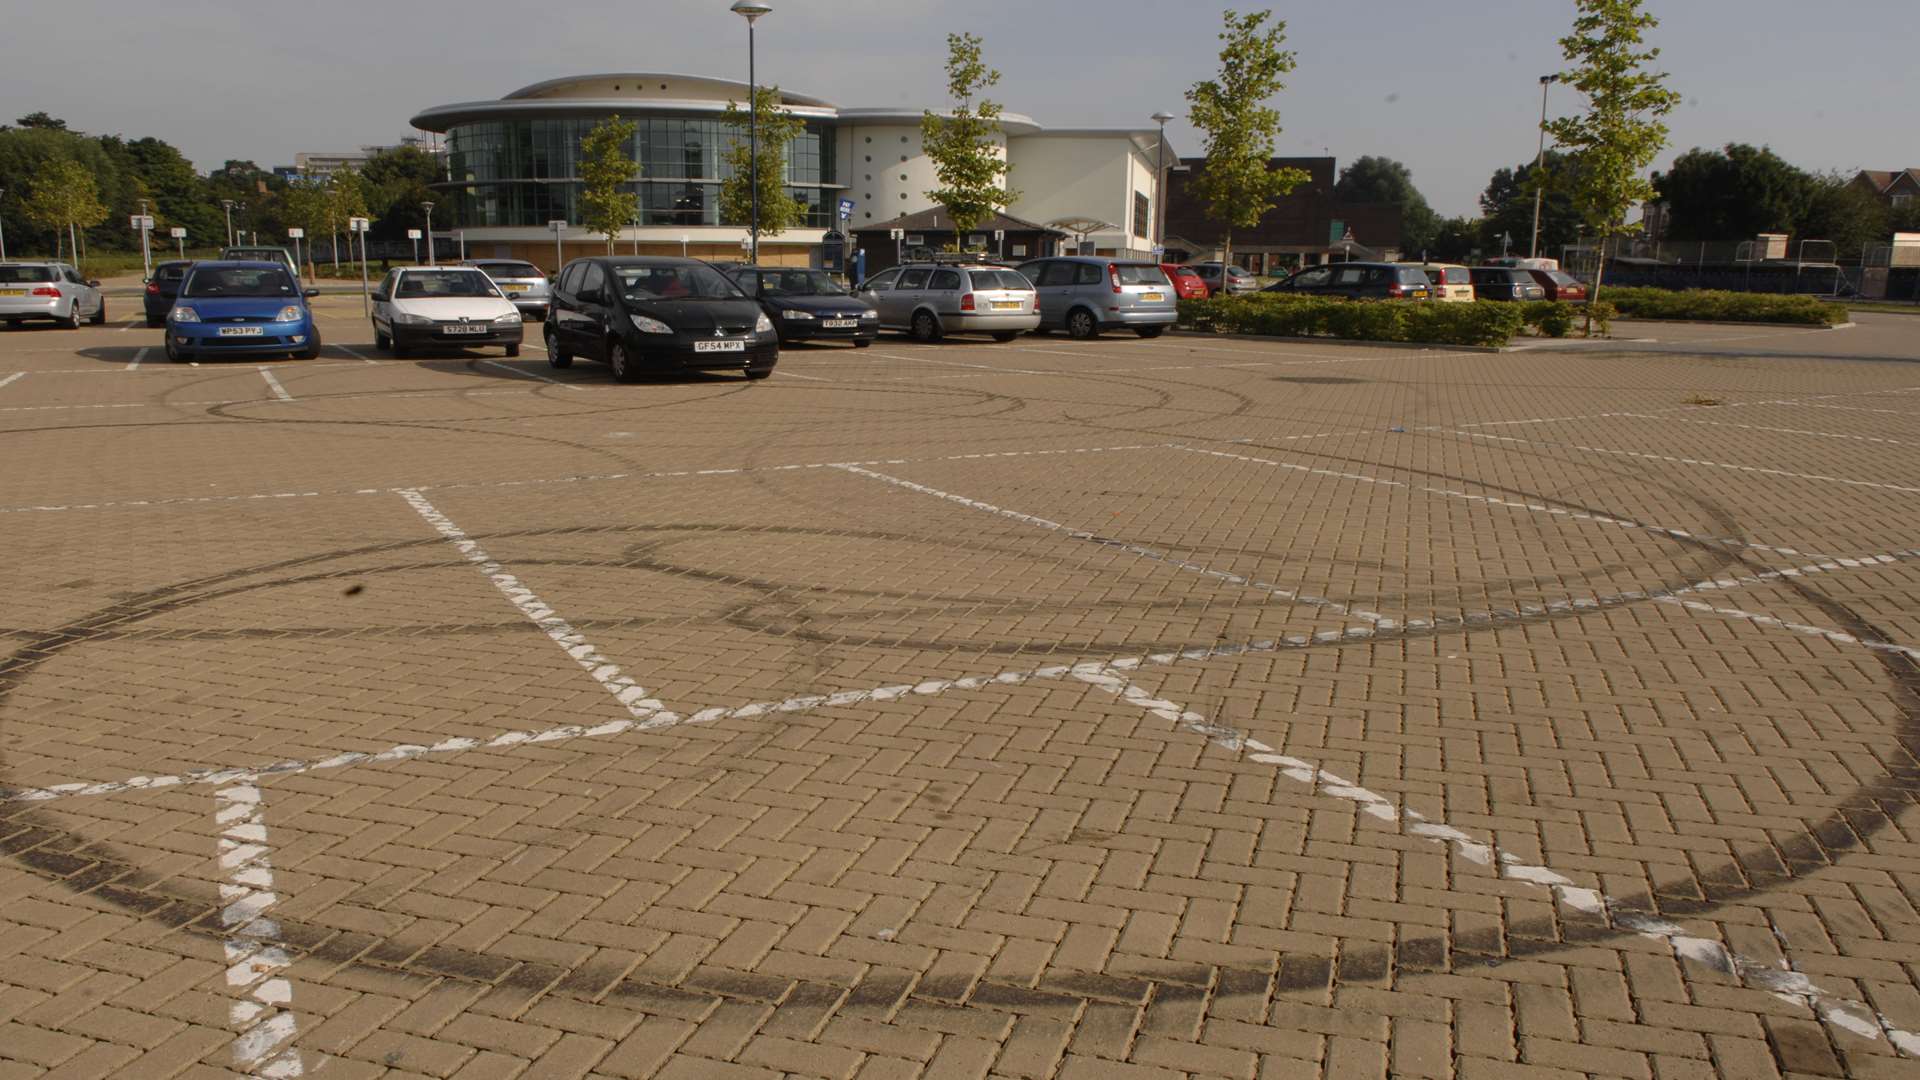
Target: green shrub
1708,305
1281,315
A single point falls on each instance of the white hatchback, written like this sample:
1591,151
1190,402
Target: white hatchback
444,307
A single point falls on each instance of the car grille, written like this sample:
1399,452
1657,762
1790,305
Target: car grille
231,319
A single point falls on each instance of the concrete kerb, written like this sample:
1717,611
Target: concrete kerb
1728,322
1420,346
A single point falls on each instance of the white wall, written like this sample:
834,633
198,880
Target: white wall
1081,176
887,171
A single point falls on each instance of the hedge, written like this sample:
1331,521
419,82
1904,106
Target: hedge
1706,305
1279,315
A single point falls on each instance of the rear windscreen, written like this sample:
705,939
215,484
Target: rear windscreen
20,275
1411,276
169,273
513,270
1140,274
1561,277
998,279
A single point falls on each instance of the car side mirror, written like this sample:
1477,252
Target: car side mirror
380,296
310,292
93,283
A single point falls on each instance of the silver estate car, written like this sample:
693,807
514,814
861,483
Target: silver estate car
49,290
524,283
1084,296
931,300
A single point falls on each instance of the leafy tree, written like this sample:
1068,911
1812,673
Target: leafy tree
1238,184
65,194
305,204
41,120
1734,193
1904,218
346,200
397,181
1839,211
1507,206
1455,239
969,162
1621,132
779,210
607,167
1383,180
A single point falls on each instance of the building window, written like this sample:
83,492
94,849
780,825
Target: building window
1902,199
1142,215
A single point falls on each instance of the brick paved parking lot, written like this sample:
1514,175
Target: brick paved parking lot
1120,709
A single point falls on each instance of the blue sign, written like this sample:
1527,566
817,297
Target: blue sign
846,209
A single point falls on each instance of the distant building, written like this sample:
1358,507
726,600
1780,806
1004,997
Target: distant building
1896,189
322,166
1308,226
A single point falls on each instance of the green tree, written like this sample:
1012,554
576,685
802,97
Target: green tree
1371,179
305,205
779,210
346,200
1839,211
1621,132
607,168
1455,239
397,181
42,120
1506,207
1730,194
1238,184
64,193
964,145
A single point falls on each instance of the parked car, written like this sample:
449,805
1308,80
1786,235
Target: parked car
263,253
932,299
453,307
162,287
1505,283
1186,283
49,290
808,305
1451,283
1237,280
1560,285
524,283
1084,296
241,309
1358,281
657,314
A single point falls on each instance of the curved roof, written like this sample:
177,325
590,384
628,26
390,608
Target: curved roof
590,86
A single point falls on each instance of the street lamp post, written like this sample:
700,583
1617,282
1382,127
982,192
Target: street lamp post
428,207
1160,187
751,10
1539,160
3,230
146,252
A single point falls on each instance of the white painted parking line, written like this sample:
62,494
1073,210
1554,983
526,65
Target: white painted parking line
273,384
797,375
130,325
139,355
525,374
1756,427
363,358
1755,469
11,379
257,959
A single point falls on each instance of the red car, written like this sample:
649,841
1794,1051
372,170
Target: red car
1561,285
1186,284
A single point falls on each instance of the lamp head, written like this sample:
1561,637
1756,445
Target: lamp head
1545,79
1161,117
751,9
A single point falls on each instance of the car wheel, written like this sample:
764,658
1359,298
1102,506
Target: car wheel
312,350
1081,324
863,344
380,340
173,351
72,321
1005,335
513,351
621,362
759,372
557,355
925,326
1149,331
100,316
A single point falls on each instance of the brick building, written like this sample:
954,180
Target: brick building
1307,227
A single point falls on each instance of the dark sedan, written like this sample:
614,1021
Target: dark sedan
808,305
1505,283
662,315
1358,281
1560,285
163,287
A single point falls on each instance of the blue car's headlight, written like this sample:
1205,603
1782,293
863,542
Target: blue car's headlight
290,313
184,314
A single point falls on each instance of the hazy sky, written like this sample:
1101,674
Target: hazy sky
1449,88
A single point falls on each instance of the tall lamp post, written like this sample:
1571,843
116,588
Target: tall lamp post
428,207
1539,160
751,10
1160,188
227,205
3,230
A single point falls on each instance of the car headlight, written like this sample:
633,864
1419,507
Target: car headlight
655,326
290,313
183,314
764,326
869,314
403,319
511,318
797,316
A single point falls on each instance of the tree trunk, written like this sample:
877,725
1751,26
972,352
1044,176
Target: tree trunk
1226,260
73,244
1599,275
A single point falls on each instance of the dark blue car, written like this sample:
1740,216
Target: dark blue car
241,309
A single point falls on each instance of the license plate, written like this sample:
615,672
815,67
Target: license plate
840,324
13,292
239,331
473,329
1006,305
1153,296
719,346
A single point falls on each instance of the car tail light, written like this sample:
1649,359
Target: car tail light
1396,289
966,302
153,288
1113,275
47,290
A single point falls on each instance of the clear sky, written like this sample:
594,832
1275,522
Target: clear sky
1449,88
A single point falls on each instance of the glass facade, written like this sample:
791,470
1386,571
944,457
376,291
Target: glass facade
522,172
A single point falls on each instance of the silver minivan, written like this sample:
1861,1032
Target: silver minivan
1084,296
49,290
931,300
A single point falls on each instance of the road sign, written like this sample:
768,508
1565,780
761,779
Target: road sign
358,224
140,221
413,234
846,209
1159,253
557,226
297,234
896,234
177,233
999,235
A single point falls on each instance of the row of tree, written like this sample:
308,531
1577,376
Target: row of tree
1740,191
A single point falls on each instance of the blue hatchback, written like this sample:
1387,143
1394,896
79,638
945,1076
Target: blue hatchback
241,309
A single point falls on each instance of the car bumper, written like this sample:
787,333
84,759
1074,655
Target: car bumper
157,308
989,323
679,353
813,330
537,307
38,307
274,338
1145,316
423,337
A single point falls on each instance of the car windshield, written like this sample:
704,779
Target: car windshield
436,284
514,270
675,283
239,281
20,275
1137,274
999,279
798,283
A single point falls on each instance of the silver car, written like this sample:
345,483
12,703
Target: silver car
524,283
931,300
49,290
263,253
1084,296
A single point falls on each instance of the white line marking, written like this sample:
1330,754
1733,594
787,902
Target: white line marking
527,374
13,378
273,384
132,324
134,364
357,355
1378,620
1694,461
257,959
647,713
797,375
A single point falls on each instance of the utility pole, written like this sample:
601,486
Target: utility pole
751,10
1540,160
1159,239
227,205
146,251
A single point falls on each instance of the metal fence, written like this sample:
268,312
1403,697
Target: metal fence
1813,267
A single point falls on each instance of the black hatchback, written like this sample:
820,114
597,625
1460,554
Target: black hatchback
808,305
1358,281
163,288
660,315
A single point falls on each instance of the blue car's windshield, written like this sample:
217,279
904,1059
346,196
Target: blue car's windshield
239,281
794,283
